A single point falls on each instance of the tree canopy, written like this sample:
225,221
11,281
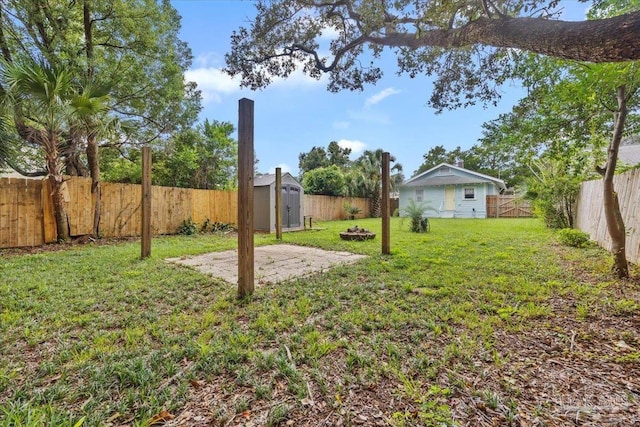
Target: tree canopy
318,157
468,46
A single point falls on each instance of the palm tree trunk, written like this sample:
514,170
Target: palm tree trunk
55,180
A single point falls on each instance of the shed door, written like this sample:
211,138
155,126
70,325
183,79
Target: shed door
450,198
290,206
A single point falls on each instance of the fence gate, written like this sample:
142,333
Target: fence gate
499,206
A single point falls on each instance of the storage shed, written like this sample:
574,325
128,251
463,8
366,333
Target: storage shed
264,203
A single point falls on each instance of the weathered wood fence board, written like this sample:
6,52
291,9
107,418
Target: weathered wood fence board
26,209
499,206
21,212
330,208
590,212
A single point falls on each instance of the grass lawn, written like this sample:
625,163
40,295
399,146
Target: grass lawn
479,322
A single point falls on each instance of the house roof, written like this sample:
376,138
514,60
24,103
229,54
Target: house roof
470,177
270,178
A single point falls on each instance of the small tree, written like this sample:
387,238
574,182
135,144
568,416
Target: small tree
554,191
417,213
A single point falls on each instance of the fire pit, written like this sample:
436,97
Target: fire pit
357,233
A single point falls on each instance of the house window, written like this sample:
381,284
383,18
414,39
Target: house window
419,195
445,171
469,193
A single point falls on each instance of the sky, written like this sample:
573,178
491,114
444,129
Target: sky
292,116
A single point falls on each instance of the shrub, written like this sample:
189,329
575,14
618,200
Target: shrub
216,226
352,211
415,211
573,237
188,227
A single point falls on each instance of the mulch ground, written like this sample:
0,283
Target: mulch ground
557,371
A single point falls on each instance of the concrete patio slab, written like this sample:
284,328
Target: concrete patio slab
272,264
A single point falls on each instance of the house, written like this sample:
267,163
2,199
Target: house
453,191
264,203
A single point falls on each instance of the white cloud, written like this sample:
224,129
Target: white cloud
378,97
341,124
298,80
285,168
213,83
356,146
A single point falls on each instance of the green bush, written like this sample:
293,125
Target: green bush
573,237
188,227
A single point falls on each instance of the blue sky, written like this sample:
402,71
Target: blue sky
293,115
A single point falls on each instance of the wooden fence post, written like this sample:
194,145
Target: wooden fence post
279,203
146,202
245,198
386,203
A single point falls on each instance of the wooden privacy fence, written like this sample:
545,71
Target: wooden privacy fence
26,211
590,211
331,208
499,206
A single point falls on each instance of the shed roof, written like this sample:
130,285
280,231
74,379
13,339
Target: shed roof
270,178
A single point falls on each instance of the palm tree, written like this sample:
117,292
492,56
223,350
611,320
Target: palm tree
47,109
366,179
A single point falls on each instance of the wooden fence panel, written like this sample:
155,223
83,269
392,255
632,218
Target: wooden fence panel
590,212
26,209
20,212
171,206
499,206
214,205
79,205
329,208
120,210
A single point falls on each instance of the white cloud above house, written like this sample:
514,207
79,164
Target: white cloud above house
214,84
356,146
380,96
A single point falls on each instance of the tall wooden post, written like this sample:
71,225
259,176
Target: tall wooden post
279,203
245,197
146,202
386,205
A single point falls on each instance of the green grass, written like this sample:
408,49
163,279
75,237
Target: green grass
96,332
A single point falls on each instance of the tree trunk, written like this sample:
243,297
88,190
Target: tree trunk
94,168
375,206
615,223
55,179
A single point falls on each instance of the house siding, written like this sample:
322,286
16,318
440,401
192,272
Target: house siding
471,208
435,194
